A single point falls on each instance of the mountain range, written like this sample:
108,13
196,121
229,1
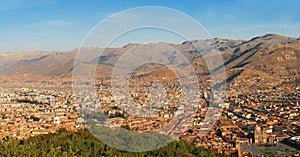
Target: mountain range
270,55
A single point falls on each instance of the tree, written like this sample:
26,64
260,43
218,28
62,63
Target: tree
82,143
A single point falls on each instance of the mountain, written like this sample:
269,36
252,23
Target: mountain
270,56
9,59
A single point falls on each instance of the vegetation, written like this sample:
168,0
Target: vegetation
82,143
27,101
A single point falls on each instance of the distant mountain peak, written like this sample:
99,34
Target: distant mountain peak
129,45
267,49
272,35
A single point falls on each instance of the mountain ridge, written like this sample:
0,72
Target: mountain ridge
279,54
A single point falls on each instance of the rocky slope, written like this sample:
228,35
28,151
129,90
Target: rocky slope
269,55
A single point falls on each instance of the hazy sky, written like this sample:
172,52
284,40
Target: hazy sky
62,24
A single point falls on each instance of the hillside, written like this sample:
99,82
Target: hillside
82,143
268,56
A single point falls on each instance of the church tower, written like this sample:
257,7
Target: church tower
259,135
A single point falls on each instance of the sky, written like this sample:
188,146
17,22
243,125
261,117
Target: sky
61,25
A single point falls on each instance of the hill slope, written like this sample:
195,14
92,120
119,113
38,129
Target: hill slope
269,55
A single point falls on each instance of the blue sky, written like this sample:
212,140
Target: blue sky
63,24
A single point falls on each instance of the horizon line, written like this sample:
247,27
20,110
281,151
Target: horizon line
123,45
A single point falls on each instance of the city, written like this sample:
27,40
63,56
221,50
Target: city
150,78
263,116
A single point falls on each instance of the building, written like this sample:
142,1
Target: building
259,135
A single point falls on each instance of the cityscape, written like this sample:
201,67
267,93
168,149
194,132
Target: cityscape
257,111
233,93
